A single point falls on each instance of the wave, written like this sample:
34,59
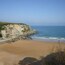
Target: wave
48,38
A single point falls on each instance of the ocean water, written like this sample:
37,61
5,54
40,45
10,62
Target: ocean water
49,33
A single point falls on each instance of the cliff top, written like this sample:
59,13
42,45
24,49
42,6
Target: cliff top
6,23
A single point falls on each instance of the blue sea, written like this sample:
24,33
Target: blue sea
53,33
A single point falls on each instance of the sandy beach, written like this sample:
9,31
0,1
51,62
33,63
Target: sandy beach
11,53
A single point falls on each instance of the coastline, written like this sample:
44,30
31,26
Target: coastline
43,39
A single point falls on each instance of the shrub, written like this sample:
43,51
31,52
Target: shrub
57,58
27,61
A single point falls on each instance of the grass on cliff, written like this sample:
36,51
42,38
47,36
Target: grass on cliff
6,23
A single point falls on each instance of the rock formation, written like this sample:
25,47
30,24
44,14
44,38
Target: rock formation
14,30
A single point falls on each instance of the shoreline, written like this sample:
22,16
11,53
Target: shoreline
49,39
44,39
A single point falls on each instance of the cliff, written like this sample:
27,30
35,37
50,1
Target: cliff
15,30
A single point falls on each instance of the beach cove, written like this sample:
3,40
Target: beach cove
12,53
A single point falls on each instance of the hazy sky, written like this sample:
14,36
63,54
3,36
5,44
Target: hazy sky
33,12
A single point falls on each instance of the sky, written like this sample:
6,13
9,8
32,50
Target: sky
33,12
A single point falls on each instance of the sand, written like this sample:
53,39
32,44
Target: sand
11,53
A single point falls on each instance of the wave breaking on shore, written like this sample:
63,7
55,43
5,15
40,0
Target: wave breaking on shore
51,39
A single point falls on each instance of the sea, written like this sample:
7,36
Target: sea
49,33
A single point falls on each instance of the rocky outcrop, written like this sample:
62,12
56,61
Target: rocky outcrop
20,31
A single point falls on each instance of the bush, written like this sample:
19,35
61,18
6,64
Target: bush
27,61
57,58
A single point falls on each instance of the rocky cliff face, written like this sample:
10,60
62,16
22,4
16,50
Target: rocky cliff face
15,30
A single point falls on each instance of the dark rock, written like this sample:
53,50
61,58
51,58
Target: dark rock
27,61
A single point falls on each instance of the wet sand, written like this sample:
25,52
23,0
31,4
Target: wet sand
11,53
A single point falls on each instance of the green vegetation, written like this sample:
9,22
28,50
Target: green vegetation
27,61
6,23
1,27
2,24
57,58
